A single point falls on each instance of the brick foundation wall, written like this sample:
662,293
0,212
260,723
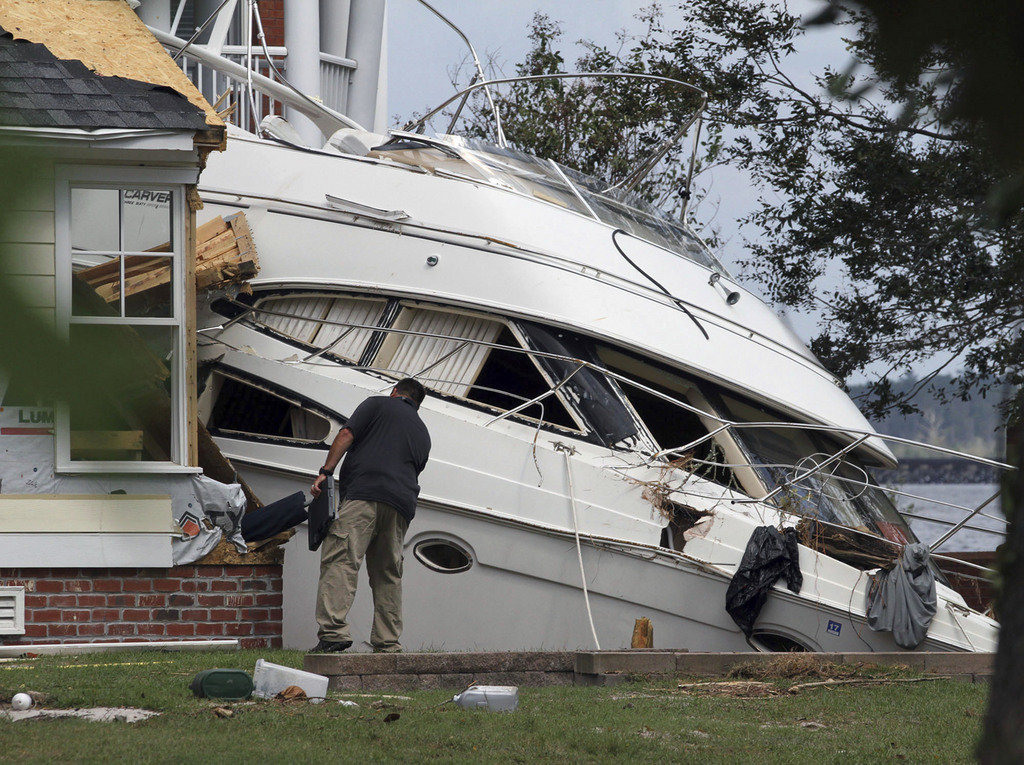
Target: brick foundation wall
199,602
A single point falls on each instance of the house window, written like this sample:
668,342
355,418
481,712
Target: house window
120,241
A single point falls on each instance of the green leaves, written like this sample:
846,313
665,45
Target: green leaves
890,192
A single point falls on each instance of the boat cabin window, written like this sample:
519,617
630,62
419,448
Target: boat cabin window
246,409
464,355
586,195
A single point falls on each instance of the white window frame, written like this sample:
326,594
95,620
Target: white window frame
173,180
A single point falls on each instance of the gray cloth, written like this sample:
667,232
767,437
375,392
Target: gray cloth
901,598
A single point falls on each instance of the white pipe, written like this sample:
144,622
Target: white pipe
302,39
365,40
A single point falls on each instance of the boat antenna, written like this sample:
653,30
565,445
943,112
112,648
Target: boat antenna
478,77
689,174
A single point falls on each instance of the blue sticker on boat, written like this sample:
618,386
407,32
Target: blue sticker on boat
834,628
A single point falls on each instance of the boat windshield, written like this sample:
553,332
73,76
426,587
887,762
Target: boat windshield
755,455
840,492
552,183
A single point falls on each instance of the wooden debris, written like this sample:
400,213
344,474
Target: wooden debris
106,444
861,681
225,254
643,634
748,689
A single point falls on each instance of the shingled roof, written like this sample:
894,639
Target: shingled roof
37,89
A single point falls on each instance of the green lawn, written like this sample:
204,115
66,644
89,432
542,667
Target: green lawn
642,721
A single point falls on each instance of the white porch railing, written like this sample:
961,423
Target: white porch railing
228,90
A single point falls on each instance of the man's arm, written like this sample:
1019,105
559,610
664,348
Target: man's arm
341,443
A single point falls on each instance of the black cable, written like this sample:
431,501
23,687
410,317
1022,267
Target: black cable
654,281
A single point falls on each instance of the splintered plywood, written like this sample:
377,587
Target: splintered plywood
225,254
105,35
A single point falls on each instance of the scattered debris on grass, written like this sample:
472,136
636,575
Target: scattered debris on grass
738,689
96,714
291,693
794,666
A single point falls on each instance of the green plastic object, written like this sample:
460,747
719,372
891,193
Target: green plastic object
227,684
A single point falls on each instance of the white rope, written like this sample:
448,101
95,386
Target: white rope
567,451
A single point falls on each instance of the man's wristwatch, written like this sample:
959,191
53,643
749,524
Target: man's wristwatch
325,471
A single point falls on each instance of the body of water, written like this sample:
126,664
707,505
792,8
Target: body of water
932,500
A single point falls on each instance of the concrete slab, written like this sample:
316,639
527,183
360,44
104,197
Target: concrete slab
642,662
456,671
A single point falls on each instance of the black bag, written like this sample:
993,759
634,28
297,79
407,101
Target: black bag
274,518
322,510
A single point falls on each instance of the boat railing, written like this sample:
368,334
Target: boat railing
640,171
811,475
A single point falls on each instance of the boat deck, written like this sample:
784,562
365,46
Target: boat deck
455,671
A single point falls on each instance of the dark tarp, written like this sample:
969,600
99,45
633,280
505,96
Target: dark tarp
274,518
769,555
901,598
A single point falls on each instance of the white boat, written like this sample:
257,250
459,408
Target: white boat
612,414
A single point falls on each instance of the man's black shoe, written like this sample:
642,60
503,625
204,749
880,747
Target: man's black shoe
326,646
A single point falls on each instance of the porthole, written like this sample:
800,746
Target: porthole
443,556
771,642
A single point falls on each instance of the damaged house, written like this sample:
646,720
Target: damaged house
119,520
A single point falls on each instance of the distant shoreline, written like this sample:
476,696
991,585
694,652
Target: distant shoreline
948,470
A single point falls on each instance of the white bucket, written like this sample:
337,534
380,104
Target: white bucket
496,698
270,679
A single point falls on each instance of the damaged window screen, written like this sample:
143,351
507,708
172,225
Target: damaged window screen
124,257
670,424
245,409
593,395
840,493
342,326
510,378
464,355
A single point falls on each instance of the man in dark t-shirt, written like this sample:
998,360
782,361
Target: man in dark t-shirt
386,446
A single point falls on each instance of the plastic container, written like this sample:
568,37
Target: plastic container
496,698
271,679
228,684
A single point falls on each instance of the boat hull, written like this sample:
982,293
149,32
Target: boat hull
523,591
